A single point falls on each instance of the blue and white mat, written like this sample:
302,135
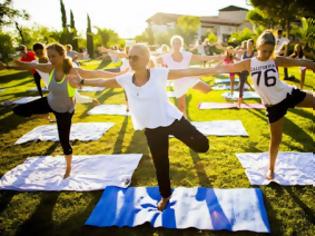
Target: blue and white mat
199,207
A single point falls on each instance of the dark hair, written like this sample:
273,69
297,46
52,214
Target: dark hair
67,62
38,46
298,51
21,48
279,31
266,37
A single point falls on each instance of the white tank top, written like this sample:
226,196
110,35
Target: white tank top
181,86
266,81
183,64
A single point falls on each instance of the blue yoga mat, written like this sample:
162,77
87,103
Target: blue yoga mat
202,208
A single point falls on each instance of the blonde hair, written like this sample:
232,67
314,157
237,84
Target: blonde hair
266,37
67,62
226,53
177,37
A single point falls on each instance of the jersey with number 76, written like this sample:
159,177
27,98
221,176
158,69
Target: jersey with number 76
266,81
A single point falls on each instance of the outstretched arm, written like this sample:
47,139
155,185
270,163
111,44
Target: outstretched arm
177,74
92,74
233,68
20,65
77,82
288,62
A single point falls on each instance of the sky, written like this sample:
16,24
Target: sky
126,17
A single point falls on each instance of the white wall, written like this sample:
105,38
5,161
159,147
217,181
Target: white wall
237,16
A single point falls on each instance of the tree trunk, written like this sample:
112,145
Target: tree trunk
20,32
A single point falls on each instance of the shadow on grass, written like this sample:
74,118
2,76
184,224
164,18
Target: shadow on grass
8,78
41,221
103,63
42,217
101,99
121,134
308,212
297,134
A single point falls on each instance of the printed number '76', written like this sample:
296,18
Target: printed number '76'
269,80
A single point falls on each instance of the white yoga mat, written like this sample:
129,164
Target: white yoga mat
221,128
228,87
225,105
109,110
88,173
25,100
226,80
44,89
91,89
292,168
79,131
246,95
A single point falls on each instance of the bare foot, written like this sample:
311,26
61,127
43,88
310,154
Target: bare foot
67,174
239,102
270,175
162,203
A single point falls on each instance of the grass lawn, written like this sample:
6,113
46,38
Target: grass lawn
291,210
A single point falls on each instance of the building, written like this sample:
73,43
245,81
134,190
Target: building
230,19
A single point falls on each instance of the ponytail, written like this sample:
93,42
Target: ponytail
67,65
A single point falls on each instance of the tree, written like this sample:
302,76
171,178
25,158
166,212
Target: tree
237,37
73,32
187,27
9,15
146,36
107,38
6,47
89,38
63,15
281,12
65,35
212,37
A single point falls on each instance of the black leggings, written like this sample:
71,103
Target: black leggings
243,78
41,106
37,79
158,143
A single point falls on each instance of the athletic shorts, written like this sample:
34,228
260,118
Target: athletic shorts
277,111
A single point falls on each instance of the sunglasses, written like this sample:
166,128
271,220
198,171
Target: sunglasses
133,58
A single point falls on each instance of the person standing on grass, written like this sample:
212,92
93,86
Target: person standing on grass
28,56
299,54
248,53
277,96
152,112
281,49
181,59
61,97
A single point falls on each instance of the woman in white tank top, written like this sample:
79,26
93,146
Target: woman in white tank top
277,96
181,59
